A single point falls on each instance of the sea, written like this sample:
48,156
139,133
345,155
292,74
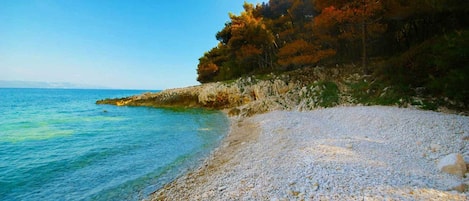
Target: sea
57,144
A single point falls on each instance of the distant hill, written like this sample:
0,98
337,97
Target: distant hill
34,84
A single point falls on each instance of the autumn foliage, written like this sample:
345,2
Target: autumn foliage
287,34
302,53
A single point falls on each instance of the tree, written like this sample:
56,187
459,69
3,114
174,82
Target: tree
413,22
246,45
301,53
211,64
206,72
348,22
249,40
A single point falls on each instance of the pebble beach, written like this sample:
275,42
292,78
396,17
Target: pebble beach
342,153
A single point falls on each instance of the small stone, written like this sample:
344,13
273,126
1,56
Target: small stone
453,164
435,147
465,137
222,188
349,146
301,196
234,112
460,188
315,186
294,193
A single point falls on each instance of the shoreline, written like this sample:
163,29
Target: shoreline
326,153
242,131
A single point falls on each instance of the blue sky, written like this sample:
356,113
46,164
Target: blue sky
131,44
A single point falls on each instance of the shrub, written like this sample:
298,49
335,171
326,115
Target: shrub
439,65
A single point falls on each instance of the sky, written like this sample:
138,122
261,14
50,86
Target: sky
122,44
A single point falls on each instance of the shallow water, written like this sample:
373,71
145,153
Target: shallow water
57,144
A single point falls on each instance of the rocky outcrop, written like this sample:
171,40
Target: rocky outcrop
297,90
182,97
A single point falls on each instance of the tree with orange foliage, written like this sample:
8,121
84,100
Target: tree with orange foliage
246,45
206,71
249,40
344,21
294,33
301,53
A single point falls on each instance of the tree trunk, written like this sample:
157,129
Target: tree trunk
364,38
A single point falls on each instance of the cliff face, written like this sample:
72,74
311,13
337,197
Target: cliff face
303,89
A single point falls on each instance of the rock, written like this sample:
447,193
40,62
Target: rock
204,195
465,137
301,196
294,193
349,146
221,188
453,164
460,188
207,194
435,147
234,112
315,187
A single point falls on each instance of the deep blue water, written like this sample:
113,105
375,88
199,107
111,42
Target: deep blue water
57,144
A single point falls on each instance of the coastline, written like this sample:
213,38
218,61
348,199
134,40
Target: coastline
351,153
242,131
246,167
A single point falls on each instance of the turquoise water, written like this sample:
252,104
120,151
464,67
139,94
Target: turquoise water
57,144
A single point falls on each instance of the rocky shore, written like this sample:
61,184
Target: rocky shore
342,153
284,145
299,90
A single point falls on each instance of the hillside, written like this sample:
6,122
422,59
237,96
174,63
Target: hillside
283,35
301,55
302,89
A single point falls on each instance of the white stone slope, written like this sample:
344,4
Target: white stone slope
343,153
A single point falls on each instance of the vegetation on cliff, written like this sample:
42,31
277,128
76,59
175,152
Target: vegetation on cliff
289,34
419,44
301,89
304,54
